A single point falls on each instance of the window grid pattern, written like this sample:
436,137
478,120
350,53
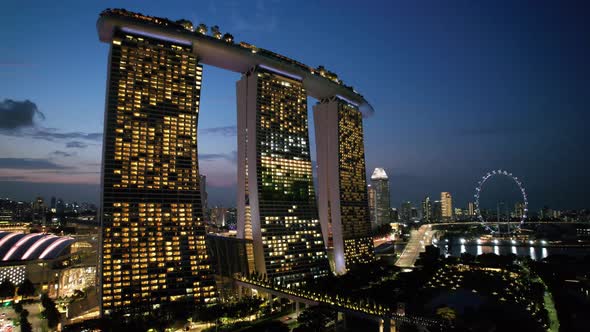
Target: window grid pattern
354,208
291,234
153,240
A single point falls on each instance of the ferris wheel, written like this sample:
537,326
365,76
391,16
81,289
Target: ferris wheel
478,190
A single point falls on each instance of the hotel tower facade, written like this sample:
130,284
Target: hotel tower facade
276,198
153,248
343,199
153,239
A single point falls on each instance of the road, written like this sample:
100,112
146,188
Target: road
419,239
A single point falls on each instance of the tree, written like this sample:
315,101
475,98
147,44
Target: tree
215,32
228,37
202,29
7,288
316,318
26,288
18,307
446,313
50,313
25,326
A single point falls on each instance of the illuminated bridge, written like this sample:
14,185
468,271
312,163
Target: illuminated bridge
386,317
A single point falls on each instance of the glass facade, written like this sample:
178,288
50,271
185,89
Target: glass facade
343,195
279,193
153,239
354,205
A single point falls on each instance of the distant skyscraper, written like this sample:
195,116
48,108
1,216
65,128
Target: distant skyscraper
218,216
406,211
436,211
446,205
342,184
427,210
518,210
276,197
372,204
39,210
394,215
380,182
471,209
153,248
204,194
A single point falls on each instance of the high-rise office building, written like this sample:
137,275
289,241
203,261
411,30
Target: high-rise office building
153,248
342,185
276,198
406,211
519,210
372,204
380,182
394,215
471,209
218,216
436,211
427,210
446,206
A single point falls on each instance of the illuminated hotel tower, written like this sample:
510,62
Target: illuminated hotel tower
276,199
342,185
153,240
446,205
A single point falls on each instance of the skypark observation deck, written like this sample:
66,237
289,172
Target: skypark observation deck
230,56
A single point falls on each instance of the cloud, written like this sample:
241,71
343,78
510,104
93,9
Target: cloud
76,145
29,163
50,134
12,178
232,156
63,154
16,64
223,131
18,118
18,114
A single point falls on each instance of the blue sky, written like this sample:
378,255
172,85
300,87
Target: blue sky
459,88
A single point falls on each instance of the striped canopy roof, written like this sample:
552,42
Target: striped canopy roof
32,246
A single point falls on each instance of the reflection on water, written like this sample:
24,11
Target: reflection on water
535,252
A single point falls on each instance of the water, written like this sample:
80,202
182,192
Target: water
535,252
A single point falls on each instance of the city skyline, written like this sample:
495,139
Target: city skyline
64,147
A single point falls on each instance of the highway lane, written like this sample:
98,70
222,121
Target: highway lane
419,239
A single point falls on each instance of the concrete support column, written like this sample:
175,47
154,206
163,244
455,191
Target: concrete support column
297,308
387,325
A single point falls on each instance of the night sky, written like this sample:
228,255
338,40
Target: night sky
459,88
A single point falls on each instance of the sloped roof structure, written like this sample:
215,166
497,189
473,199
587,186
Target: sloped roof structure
32,246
